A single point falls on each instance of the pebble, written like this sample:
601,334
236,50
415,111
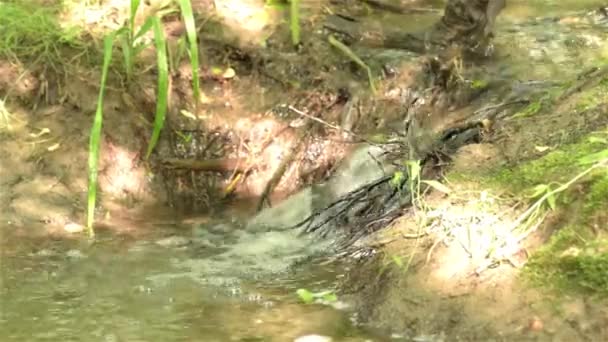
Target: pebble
339,305
313,338
173,241
73,227
44,253
75,254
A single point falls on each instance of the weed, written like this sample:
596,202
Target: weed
323,297
294,21
188,17
571,261
131,46
163,84
31,32
353,57
95,138
5,116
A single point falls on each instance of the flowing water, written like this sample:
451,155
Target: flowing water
216,280
211,281
209,284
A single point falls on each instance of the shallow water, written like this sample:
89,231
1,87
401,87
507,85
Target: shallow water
188,286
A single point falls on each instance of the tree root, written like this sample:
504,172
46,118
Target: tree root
287,160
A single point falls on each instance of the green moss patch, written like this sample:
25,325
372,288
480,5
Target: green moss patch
593,97
575,259
571,261
555,167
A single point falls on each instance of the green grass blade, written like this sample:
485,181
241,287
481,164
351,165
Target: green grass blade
350,54
95,138
132,14
188,16
127,52
294,21
143,29
163,84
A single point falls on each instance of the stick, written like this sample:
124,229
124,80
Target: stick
280,171
211,165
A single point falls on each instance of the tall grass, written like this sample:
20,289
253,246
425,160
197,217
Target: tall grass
294,21
188,18
131,47
162,96
95,138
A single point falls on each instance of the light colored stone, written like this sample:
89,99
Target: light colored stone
173,241
72,227
313,338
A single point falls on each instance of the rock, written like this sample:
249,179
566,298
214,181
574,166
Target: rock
313,338
75,254
173,241
362,166
72,227
359,168
287,213
535,324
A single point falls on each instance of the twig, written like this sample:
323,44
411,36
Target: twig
280,171
332,126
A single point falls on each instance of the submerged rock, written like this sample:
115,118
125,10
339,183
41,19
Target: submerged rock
173,241
362,166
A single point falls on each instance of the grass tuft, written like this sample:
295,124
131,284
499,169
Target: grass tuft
32,32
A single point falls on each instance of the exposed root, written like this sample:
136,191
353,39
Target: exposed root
588,79
280,171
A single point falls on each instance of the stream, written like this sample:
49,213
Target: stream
214,279
169,289
217,279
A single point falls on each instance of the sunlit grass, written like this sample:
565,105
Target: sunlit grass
188,18
163,84
130,50
5,116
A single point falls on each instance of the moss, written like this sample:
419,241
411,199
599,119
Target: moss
479,84
557,166
530,110
572,261
592,97
597,197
